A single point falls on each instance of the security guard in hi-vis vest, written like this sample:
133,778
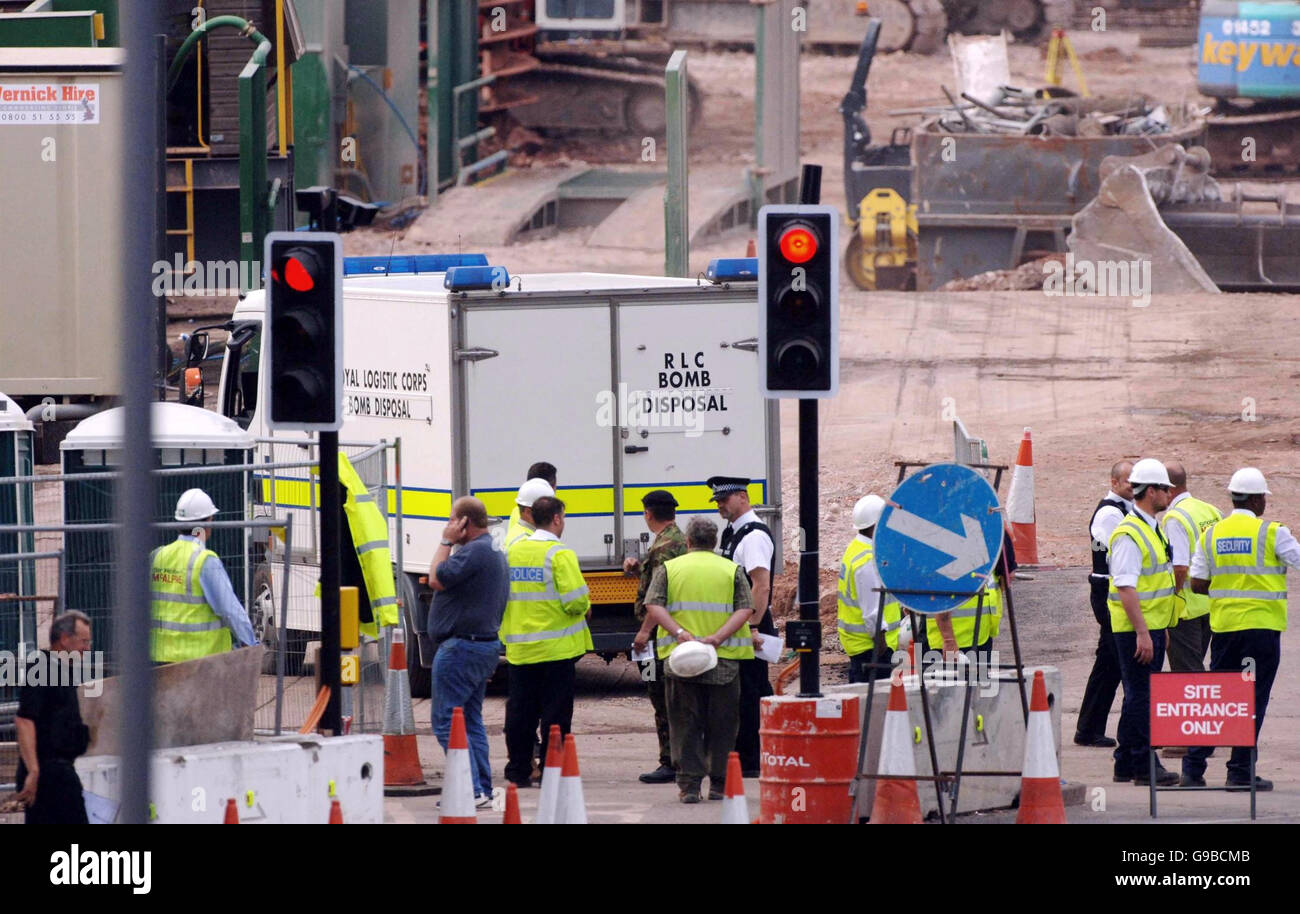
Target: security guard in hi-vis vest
859,601
1143,603
195,610
1184,522
703,601
545,632
1240,564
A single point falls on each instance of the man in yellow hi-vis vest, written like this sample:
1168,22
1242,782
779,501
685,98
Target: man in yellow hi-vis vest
1184,522
520,524
859,601
369,531
702,596
545,632
195,610
1240,563
1143,603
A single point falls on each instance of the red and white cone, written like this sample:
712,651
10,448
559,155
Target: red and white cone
1041,802
336,813
897,802
546,802
570,807
232,813
734,809
1020,505
512,816
457,803
401,757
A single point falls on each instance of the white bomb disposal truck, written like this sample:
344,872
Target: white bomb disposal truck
625,383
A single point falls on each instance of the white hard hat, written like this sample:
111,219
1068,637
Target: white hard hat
692,659
194,504
532,490
867,511
1149,471
1248,481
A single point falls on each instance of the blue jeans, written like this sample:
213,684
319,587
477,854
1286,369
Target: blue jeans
1134,731
461,670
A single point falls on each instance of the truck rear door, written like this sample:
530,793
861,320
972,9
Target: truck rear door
533,377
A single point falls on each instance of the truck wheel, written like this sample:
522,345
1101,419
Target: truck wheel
420,676
261,612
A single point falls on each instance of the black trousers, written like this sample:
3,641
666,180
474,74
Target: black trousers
754,686
537,693
58,795
1103,681
1134,730
859,664
1227,652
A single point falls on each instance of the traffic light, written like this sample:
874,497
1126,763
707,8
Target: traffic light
798,295
304,330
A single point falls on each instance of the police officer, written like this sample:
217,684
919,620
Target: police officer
748,542
195,610
661,518
545,632
1103,681
1240,563
1143,603
859,602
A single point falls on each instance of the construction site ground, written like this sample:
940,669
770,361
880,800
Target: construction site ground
1206,379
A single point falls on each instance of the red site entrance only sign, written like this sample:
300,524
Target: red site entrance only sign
1202,709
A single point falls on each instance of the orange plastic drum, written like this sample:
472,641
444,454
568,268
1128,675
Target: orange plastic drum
810,755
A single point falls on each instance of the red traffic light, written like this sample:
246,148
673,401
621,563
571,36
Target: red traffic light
798,245
299,270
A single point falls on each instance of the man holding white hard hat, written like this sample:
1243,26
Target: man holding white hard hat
702,604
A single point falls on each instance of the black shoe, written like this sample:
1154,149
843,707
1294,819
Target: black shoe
1122,778
664,774
1244,784
749,773
1100,742
1164,778
1188,781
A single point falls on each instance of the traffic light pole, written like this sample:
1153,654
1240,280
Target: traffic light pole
331,660
810,191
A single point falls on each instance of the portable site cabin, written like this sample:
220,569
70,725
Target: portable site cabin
17,618
183,436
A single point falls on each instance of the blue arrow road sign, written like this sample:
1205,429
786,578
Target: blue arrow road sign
940,531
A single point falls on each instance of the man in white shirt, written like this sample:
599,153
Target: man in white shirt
747,541
1103,681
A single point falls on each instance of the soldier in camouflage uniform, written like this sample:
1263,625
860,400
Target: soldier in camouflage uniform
669,543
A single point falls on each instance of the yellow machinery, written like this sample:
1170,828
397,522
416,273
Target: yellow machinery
882,248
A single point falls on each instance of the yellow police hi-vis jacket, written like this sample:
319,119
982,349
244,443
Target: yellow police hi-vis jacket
855,634
1247,579
701,596
517,529
1155,583
1195,517
184,625
963,621
546,615
370,536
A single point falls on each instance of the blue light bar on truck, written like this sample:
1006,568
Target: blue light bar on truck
408,264
732,269
473,279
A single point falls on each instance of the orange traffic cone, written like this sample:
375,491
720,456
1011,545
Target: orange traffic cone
897,802
232,813
336,813
546,801
457,804
751,249
1020,505
734,810
1041,802
401,757
570,807
512,807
